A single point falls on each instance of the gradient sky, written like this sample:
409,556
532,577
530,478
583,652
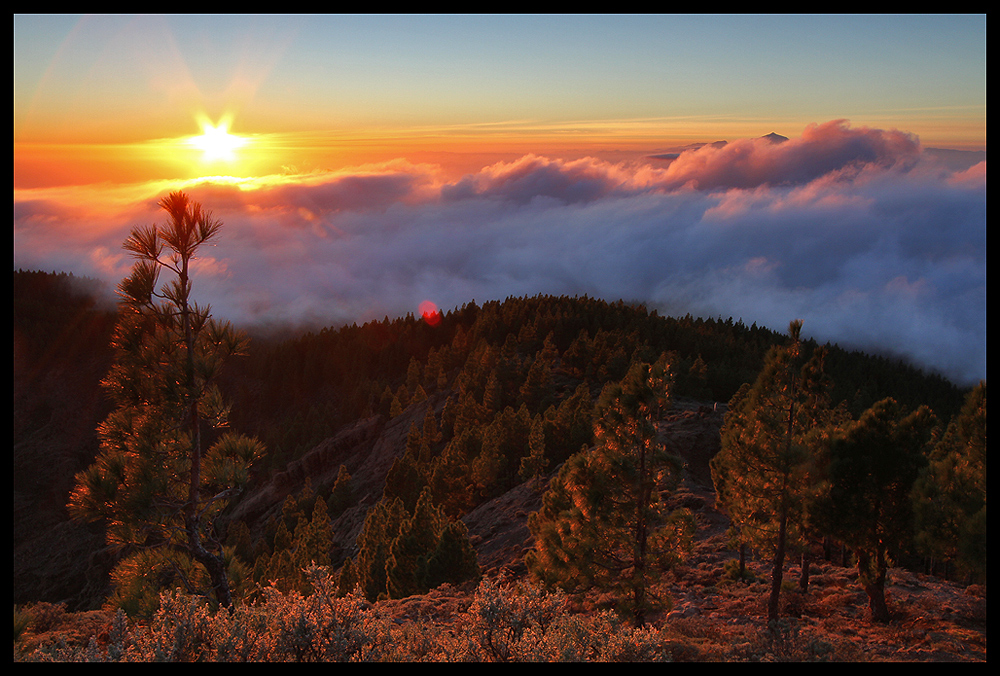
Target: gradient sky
350,85
388,160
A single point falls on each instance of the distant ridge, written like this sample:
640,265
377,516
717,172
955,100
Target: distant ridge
674,153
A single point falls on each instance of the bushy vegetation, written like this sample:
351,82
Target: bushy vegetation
503,623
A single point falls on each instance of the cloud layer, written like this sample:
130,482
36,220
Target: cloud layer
859,232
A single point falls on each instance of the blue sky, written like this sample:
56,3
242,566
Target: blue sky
925,73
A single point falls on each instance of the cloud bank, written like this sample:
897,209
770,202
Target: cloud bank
860,232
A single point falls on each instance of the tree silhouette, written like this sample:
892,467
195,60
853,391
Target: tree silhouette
154,482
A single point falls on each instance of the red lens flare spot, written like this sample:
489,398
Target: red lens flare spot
430,313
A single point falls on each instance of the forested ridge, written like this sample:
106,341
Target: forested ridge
513,385
296,391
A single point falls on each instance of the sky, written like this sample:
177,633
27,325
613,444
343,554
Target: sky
369,164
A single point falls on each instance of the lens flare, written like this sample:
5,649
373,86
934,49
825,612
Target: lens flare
429,311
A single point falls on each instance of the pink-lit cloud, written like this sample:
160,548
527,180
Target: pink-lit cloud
833,147
862,233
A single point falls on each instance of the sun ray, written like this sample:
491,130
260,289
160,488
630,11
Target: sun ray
216,143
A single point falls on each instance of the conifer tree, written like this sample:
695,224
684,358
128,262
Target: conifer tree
449,474
453,559
414,375
570,425
603,523
950,495
537,391
238,537
157,483
534,464
347,579
405,480
505,442
311,543
395,408
430,437
341,495
494,398
697,380
761,471
374,542
414,542
867,505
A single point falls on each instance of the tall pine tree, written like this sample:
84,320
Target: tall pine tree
761,472
603,523
157,484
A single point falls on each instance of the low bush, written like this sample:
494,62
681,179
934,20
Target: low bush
504,623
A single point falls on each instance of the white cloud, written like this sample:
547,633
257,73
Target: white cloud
858,232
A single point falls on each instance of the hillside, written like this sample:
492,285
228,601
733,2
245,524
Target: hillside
712,617
357,398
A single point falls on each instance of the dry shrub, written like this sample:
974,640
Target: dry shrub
503,623
45,616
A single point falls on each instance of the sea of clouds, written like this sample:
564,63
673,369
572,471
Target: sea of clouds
873,241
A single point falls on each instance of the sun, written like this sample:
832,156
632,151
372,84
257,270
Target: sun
216,143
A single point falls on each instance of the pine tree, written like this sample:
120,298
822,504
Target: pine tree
534,464
154,483
430,437
603,523
405,480
537,391
341,495
867,505
238,537
313,539
449,474
570,426
505,442
453,559
414,543
761,472
347,579
697,380
950,495
374,542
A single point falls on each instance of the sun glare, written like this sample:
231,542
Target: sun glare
216,143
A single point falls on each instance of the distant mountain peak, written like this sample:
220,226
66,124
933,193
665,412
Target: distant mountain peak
775,138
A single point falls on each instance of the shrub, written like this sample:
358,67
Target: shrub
731,571
516,622
44,616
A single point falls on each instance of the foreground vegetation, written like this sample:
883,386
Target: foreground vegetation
502,624
495,621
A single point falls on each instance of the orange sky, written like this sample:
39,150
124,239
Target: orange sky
112,98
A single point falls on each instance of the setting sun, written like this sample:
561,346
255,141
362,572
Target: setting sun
216,143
